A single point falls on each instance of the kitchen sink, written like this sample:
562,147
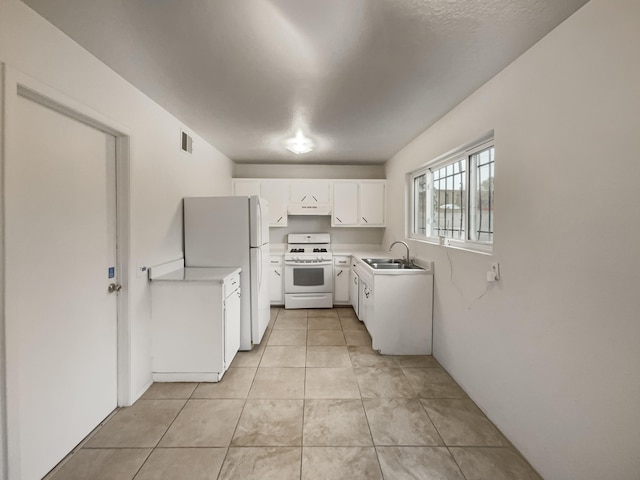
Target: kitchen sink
389,264
383,260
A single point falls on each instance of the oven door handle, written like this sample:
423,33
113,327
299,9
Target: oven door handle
307,264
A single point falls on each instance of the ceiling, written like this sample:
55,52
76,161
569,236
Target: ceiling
361,78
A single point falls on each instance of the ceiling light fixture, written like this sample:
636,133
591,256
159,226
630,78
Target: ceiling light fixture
299,144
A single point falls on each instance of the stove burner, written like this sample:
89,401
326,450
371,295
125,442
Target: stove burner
319,250
297,250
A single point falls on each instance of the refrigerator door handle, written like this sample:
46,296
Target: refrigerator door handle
259,268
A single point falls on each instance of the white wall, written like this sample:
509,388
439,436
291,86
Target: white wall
552,352
160,174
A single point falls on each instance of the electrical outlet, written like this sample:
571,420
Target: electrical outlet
495,268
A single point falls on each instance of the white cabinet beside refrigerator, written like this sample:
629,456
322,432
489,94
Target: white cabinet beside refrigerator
195,324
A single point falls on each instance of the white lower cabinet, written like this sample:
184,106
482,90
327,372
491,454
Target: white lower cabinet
341,270
397,309
195,331
353,288
276,280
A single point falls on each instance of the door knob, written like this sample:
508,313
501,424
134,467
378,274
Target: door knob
114,287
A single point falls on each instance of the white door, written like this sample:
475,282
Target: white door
61,319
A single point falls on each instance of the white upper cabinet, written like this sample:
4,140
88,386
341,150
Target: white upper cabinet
345,204
246,187
372,203
310,192
358,203
353,203
276,192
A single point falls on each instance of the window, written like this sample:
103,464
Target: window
452,198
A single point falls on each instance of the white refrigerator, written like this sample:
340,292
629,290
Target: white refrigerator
233,232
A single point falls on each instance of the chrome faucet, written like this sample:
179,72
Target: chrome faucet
408,260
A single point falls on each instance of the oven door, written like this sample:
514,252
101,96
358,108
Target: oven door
308,278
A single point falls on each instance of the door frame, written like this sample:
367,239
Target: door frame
14,84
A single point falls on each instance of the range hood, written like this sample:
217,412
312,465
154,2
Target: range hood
309,209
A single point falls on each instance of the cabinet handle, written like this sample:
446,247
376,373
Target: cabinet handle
314,198
338,219
277,273
365,220
302,200
339,273
278,221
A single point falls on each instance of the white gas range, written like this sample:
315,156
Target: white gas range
308,271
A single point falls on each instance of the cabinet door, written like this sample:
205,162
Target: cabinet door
310,192
231,327
276,193
341,284
247,188
353,290
276,284
372,203
345,204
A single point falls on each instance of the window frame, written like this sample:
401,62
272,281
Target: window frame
467,154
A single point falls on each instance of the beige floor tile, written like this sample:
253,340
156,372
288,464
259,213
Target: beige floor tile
298,313
261,463
340,463
102,464
351,323
357,337
418,463
416,361
324,323
164,391
249,358
346,312
383,382
331,383
433,383
325,337
270,423
479,463
322,313
284,356
141,425
461,423
288,337
183,463
328,356
204,423
291,323
365,356
235,383
400,421
276,382
335,423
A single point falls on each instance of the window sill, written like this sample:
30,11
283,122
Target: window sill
481,248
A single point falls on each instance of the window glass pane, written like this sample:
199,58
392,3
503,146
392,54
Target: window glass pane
449,201
420,204
484,162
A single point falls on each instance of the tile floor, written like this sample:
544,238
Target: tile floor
313,401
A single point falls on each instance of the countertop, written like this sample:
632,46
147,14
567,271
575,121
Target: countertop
198,274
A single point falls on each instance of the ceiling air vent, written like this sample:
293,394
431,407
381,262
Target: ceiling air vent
186,142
